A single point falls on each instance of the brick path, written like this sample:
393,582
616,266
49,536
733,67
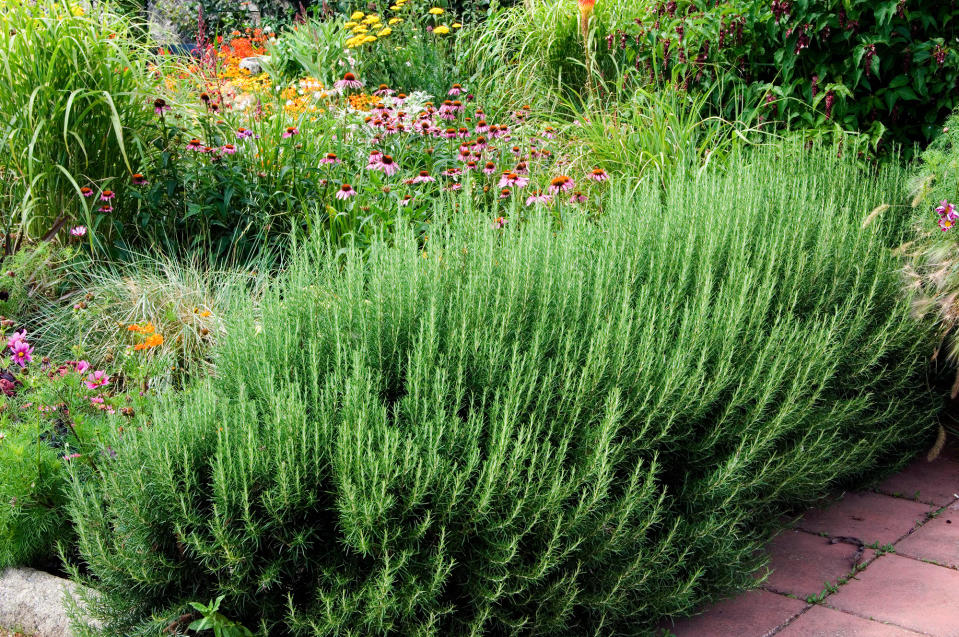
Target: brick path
883,563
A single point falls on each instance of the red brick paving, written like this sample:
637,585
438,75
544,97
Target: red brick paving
869,517
820,621
911,591
752,614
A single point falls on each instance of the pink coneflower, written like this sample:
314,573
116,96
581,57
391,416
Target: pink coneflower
345,192
228,149
538,197
195,144
521,168
598,174
160,106
374,160
138,179
481,143
244,133
517,151
452,172
513,179
349,81
78,231
107,195
500,222
489,168
456,90
577,197
562,183
482,126
330,158
505,193
96,379
86,192
20,353
449,133
105,209
383,91
453,187
387,165
463,132
406,200
423,178
291,131
472,165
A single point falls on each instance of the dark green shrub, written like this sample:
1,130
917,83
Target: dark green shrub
527,430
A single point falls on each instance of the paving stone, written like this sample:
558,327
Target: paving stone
905,592
752,614
869,517
819,621
802,563
935,482
936,541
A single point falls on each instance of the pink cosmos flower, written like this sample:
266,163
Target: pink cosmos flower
947,210
21,352
96,379
82,367
345,192
15,338
78,231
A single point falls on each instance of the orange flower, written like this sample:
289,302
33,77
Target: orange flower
154,341
142,329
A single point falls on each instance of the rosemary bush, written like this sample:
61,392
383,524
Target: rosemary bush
528,430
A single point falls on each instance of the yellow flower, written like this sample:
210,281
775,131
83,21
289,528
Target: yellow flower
360,29
395,20
385,32
395,7
357,15
350,24
441,30
457,25
369,38
436,11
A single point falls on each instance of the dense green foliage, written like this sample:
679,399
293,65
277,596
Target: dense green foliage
887,68
525,430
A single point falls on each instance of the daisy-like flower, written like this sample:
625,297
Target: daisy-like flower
436,11
138,179
499,222
107,195
538,197
450,133
598,174
452,172
521,168
482,126
549,132
513,179
349,81
228,149
562,183
291,131
472,165
489,168
195,144
244,133
105,209
388,165
81,366
423,178
453,187
481,143
86,192
517,151
406,200
456,90
330,158
78,231
947,210
441,30
160,106
577,197
946,224
374,160
505,193
345,192
96,379
383,91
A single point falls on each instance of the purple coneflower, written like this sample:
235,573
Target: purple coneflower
482,126
538,197
456,90
562,183
489,168
522,168
160,106
349,81
452,172
195,144
86,192
500,222
577,197
598,174
513,179
423,178
330,158
291,131
244,133
105,209
107,195
345,192
383,91
138,179
472,165
387,165
228,149
406,200
505,193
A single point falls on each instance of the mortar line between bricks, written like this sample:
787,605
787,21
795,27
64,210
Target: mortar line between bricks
875,621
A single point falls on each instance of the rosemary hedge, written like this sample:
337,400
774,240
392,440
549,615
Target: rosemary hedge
540,429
